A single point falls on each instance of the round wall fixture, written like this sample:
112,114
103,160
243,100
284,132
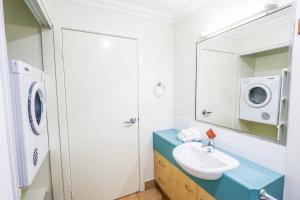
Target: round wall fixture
257,95
37,108
159,89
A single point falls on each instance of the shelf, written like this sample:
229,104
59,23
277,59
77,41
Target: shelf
265,49
40,193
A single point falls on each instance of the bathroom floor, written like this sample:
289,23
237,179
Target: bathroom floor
151,194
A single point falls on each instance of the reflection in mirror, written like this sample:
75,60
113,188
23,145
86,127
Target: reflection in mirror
242,76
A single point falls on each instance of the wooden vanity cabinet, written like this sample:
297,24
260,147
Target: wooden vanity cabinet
175,183
203,195
162,173
182,188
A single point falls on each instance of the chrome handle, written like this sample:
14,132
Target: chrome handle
263,195
130,122
205,112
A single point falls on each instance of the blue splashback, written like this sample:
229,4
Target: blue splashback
242,183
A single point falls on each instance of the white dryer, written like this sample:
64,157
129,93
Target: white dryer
260,99
29,108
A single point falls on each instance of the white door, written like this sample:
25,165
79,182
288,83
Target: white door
101,88
216,90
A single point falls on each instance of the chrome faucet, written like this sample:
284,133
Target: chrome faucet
210,146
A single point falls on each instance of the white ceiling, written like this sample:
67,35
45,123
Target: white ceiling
165,6
167,10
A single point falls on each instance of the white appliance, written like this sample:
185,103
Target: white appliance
29,108
260,99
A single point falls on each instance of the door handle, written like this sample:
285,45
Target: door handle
130,122
205,112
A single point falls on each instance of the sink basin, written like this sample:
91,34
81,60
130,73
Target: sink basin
197,161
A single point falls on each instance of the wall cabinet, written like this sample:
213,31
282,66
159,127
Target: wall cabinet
175,183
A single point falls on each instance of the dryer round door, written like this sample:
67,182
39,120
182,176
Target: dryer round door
257,95
37,108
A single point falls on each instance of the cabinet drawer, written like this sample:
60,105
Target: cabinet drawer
162,164
203,195
163,181
183,187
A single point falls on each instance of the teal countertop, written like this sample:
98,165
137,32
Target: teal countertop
242,183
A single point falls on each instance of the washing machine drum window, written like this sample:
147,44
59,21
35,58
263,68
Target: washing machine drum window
37,108
258,95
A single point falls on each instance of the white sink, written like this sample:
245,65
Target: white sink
197,161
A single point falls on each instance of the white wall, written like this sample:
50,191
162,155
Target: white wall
213,16
156,59
293,148
23,33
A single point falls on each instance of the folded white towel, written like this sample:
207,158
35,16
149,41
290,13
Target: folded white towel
189,135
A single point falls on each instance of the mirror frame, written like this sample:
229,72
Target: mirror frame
226,29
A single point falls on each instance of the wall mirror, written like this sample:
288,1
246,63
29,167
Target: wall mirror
242,76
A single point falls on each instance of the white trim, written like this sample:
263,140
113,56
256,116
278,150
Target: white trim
127,8
39,11
188,9
52,113
9,188
142,11
61,99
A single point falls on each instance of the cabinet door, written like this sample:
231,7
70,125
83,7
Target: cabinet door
163,181
203,195
183,188
162,170
162,164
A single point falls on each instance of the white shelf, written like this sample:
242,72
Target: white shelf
283,108
264,49
39,193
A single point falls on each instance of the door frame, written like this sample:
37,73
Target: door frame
64,160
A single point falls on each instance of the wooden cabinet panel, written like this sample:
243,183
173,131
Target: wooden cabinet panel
163,181
162,164
203,195
183,188
162,171
175,183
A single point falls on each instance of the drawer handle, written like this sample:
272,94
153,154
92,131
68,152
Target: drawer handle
188,188
161,181
161,163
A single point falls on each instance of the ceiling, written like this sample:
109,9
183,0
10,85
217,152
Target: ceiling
167,10
166,6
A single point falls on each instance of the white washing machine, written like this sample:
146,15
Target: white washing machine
260,99
29,108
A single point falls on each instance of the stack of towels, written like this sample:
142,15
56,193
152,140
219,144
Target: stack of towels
189,135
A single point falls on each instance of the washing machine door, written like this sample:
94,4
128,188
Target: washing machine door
257,95
37,108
